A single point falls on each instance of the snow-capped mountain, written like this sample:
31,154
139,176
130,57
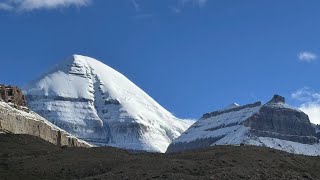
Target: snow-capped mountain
98,104
274,124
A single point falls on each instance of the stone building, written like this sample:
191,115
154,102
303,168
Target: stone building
12,94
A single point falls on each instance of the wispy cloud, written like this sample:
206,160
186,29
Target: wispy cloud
136,5
29,5
5,7
307,56
199,3
182,4
310,103
175,10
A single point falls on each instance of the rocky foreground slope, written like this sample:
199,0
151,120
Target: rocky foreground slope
98,104
27,157
274,124
15,121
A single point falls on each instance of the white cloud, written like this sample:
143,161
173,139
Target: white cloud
310,103
29,5
313,111
307,56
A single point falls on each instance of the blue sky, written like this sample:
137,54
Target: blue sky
192,56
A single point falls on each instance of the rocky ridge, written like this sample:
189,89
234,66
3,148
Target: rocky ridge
16,121
274,124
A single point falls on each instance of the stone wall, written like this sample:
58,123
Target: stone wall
12,94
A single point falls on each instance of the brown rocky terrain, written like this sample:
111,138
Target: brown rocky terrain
12,94
16,121
28,157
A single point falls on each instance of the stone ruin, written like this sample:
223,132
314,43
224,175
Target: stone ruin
12,94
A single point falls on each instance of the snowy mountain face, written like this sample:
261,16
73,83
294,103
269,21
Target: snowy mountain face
274,124
98,104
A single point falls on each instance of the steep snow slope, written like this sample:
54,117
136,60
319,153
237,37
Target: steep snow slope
275,125
96,103
220,128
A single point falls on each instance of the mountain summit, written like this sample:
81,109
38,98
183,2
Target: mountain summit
274,124
100,105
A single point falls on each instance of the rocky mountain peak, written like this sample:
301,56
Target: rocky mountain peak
277,99
275,124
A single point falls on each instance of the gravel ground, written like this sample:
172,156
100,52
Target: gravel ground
28,157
